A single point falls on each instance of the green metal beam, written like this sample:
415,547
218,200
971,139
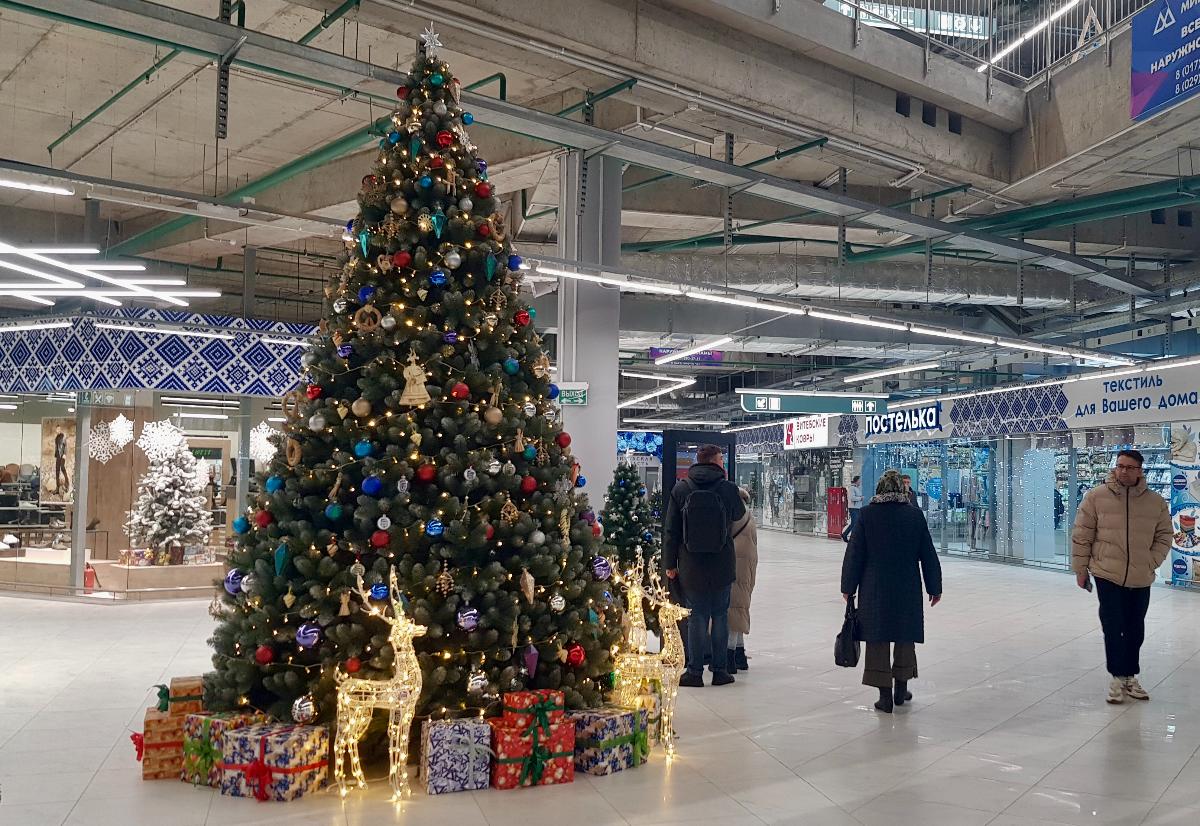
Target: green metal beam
327,21
498,76
780,154
589,99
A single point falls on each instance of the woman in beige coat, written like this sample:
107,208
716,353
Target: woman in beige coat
745,548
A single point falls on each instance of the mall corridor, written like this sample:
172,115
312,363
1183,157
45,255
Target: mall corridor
1008,726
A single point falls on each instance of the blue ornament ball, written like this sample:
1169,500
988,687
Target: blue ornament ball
426,181
372,485
647,536
530,453
468,618
434,527
379,591
481,164
468,118
364,294
333,511
274,484
437,79
514,262
241,525
362,449
450,337
233,581
601,568
345,350
552,392
308,634
393,138
438,278
641,491
581,481
511,366
620,483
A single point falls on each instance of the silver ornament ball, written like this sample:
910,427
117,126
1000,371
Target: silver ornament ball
466,205
453,259
316,422
304,709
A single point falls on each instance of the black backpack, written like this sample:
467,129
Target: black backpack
705,521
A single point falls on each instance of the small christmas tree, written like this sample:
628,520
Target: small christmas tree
629,527
170,510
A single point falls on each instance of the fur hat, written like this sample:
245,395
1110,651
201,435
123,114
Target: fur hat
889,482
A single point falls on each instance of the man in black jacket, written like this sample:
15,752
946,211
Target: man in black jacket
706,577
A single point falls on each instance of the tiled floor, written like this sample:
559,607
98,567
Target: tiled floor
1009,725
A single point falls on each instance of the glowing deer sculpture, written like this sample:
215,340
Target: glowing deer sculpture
671,657
357,699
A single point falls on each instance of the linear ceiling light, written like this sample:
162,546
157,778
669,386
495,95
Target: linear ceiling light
867,321
8,407
48,189
691,351
845,394
129,328
892,371
287,342
697,422
624,282
48,325
677,384
186,415
207,402
1007,50
754,426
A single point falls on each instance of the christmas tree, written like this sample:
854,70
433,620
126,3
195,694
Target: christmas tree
170,510
629,528
424,439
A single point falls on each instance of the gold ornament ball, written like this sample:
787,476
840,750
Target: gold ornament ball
493,415
361,407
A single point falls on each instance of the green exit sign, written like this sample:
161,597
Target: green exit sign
767,402
573,393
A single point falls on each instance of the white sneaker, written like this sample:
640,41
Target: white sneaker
1134,689
1116,691
10,540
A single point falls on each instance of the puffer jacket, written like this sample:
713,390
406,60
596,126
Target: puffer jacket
745,548
1121,534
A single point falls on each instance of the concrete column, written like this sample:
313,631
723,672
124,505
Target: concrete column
242,480
79,509
249,277
589,315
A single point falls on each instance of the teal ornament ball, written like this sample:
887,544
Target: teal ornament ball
468,118
437,79
333,511
241,525
530,453
362,449
274,484
511,366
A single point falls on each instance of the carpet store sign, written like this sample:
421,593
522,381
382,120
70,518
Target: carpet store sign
807,432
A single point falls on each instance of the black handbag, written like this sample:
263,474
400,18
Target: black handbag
846,647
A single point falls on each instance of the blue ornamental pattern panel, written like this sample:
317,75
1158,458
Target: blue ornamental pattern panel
1027,410
848,431
768,438
86,357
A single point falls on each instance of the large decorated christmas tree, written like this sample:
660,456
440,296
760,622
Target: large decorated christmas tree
423,437
629,527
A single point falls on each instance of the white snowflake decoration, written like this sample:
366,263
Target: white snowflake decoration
262,449
430,41
120,431
160,440
100,444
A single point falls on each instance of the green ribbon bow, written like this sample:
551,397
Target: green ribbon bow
165,699
199,757
541,714
533,766
639,740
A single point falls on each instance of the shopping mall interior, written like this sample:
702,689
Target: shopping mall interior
359,360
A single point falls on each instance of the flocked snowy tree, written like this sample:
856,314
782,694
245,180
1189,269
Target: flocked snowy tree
424,438
170,509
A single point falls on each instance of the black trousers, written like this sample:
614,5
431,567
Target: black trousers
882,664
1123,618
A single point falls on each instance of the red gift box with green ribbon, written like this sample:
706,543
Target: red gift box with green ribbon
541,707
204,740
532,755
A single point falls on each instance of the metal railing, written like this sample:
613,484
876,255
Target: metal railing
1020,42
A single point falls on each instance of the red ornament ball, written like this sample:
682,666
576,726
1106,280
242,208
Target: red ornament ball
444,139
522,318
368,181
264,655
353,665
437,162
425,473
483,189
460,391
402,258
563,439
314,391
576,655
528,484
596,529
402,92
263,518
380,539
489,532
485,229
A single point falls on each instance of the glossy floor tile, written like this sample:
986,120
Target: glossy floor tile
1008,726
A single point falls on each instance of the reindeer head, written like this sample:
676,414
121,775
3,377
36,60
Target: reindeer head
403,629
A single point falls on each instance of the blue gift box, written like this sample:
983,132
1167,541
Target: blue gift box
455,755
609,740
274,761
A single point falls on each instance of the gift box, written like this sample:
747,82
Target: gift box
539,758
184,696
539,707
455,755
274,761
649,700
609,740
160,745
138,557
204,741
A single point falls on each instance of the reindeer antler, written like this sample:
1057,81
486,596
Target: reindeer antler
657,593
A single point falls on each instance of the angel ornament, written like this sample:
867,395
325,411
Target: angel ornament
414,393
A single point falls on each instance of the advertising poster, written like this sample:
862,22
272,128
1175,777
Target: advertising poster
57,459
1185,502
1165,57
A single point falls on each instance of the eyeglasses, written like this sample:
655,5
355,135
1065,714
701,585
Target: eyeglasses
1129,467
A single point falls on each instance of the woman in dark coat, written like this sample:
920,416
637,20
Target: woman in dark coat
889,552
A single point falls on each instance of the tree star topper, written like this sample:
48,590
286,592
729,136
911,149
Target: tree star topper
429,41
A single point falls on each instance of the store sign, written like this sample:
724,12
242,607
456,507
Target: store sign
1165,59
944,23
906,421
1169,395
767,402
573,393
808,432
703,357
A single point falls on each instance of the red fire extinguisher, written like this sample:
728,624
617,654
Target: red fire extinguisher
90,581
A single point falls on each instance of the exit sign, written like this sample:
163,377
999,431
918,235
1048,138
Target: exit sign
767,402
573,393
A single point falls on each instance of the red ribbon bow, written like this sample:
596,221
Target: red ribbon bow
258,776
139,743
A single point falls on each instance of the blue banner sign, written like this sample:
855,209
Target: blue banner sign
1165,62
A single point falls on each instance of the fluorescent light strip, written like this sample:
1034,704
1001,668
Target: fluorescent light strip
183,414
698,422
691,351
749,303
118,267
678,385
214,403
633,374
46,276
837,394
49,325
740,428
47,189
80,269
625,282
55,251
287,342
1024,38
103,325
276,419
8,407
894,371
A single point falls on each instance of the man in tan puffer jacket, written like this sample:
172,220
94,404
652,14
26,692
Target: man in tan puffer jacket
1122,534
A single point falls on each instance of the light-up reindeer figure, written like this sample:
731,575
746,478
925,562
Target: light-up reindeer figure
633,665
671,657
357,699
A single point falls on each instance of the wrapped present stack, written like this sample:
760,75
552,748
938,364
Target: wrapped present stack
274,761
160,743
533,744
649,700
204,743
609,740
455,755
